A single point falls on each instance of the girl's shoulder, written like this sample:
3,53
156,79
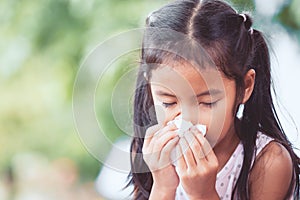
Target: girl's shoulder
272,169
269,150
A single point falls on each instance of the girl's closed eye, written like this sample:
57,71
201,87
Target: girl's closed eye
208,104
167,105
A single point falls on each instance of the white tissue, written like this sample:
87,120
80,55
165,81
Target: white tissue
201,128
183,126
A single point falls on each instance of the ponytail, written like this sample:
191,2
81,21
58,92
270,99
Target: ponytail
260,115
144,117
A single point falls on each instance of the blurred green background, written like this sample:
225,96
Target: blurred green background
42,45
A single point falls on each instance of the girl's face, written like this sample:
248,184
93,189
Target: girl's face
205,97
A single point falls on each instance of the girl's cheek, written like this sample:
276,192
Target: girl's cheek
218,123
204,117
164,115
159,111
161,114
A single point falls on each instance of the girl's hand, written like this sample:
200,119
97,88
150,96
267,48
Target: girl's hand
157,146
197,166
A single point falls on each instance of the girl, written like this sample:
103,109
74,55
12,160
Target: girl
240,157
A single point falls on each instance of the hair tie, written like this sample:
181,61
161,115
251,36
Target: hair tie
145,76
245,19
244,16
251,30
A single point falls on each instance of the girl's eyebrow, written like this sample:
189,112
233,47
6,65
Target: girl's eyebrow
211,92
162,93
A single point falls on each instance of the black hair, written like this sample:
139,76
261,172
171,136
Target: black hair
235,48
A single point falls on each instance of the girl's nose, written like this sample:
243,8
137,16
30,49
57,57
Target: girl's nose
190,114
187,112
178,112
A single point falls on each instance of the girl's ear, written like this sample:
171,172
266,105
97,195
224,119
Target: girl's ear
249,81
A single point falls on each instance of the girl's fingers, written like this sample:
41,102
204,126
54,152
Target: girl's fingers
187,153
205,146
160,142
156,141
169,127
195,146
147,148
166,151
160,133
150,133
180,161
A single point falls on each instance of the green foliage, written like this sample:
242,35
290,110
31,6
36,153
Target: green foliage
290,16
43,43
243,5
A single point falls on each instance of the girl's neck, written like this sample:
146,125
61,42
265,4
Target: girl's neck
225,148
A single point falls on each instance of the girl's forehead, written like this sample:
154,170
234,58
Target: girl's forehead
186,73
188,78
